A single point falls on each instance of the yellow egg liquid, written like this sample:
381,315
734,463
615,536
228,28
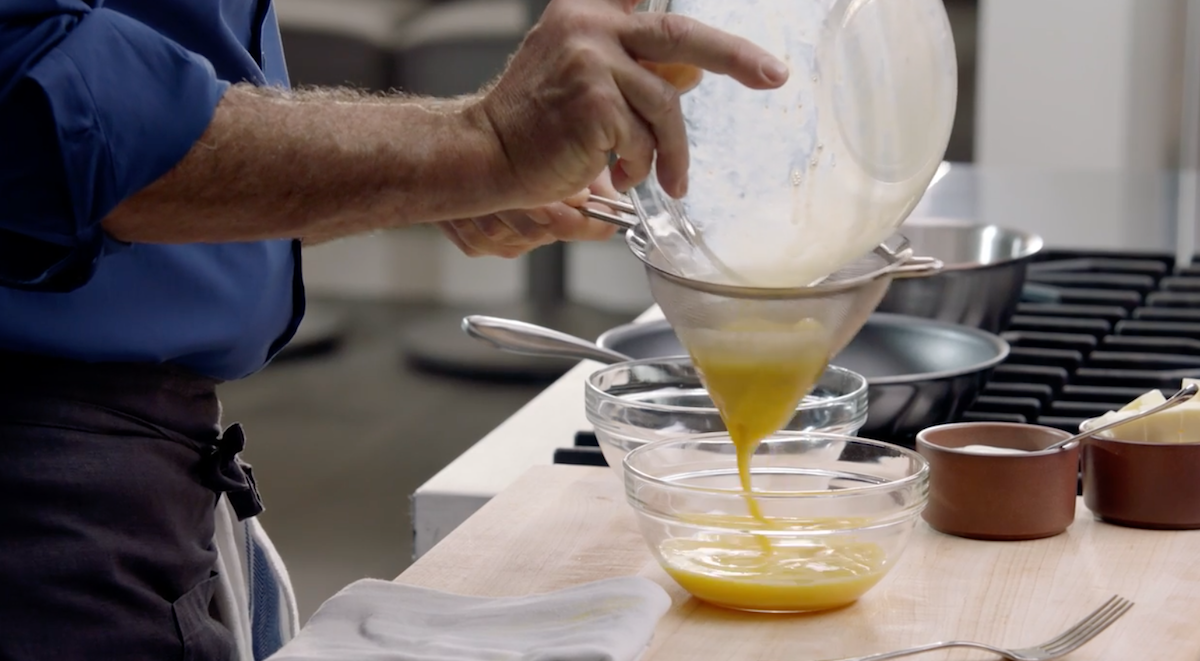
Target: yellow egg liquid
733,571
757,373
757,398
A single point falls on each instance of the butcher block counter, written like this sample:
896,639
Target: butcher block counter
560,526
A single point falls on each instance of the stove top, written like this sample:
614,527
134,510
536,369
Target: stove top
1093,331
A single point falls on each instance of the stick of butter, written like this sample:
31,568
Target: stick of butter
1180,424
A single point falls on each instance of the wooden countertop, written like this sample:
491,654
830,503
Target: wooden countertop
559,526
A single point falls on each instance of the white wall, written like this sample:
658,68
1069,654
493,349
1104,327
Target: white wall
398,264
1080,83
420,264
413,263
1092,87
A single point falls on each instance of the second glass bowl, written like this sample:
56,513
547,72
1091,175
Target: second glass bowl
831,515
638,402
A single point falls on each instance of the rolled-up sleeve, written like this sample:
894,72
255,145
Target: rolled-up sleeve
94,106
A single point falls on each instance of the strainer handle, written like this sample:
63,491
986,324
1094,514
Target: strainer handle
613,219
609,218
919,267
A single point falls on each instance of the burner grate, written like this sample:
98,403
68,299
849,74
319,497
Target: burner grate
1104,330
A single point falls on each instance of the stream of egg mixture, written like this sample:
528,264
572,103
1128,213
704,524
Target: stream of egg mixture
757,373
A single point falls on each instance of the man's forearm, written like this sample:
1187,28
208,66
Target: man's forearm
276,164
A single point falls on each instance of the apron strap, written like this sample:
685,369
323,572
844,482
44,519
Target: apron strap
223,471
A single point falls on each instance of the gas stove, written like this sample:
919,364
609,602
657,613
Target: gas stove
1094,330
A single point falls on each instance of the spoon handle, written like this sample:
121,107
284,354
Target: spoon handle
1184,394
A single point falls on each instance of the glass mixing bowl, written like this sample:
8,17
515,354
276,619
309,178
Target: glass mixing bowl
790,184
637,402
836,514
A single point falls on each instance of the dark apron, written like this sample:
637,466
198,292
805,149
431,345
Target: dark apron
109,476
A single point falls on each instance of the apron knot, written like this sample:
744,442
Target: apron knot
225,472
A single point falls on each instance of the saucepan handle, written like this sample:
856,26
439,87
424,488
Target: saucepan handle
519,337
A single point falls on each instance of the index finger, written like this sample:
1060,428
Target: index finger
663,37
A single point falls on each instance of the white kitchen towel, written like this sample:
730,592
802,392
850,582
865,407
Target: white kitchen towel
371,620
274,617
254,595
232,595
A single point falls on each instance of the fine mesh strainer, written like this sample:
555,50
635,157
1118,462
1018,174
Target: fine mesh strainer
767,323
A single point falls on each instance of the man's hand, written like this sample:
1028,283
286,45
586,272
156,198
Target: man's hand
513,233
590,79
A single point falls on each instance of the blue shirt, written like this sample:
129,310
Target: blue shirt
98,99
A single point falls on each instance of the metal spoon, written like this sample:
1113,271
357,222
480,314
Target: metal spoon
533,340
1184,394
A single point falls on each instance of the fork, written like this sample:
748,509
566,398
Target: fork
1055,648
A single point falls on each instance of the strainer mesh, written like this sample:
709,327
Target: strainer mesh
758,322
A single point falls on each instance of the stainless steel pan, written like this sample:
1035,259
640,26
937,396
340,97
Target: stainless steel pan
980,284
920,372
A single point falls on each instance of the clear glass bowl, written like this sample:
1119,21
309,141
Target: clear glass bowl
836,514
637,402
789,184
